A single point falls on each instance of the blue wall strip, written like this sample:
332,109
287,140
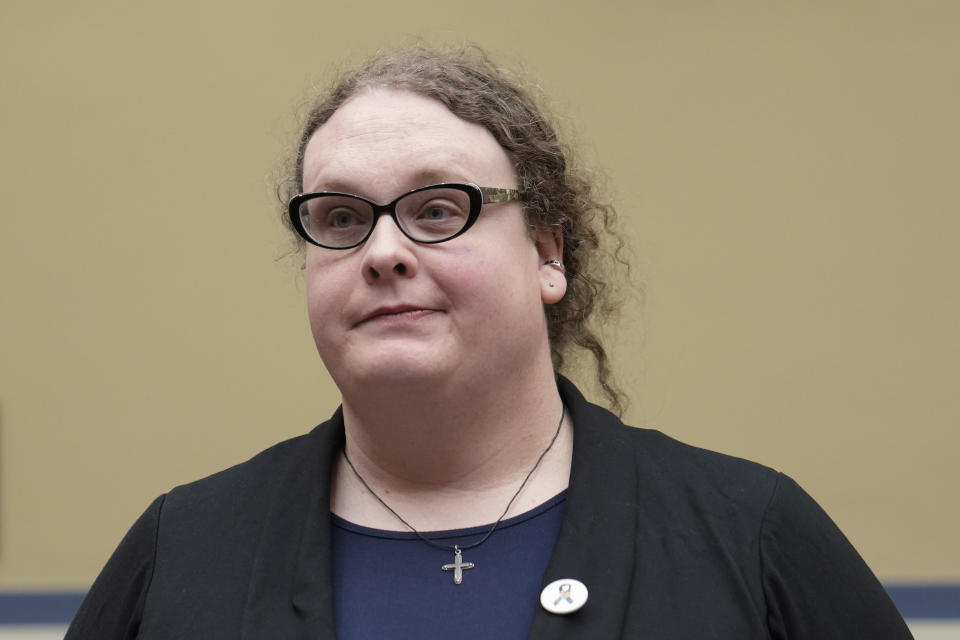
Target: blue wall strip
39,608
915,601
930,601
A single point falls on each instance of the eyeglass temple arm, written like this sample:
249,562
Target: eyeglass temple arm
493,195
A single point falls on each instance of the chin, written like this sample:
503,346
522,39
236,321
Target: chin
398,368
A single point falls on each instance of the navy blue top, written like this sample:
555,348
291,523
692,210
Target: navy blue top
389,584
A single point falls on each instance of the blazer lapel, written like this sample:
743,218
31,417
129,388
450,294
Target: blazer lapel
596,542
291,594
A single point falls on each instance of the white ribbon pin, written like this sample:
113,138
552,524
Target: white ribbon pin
564,596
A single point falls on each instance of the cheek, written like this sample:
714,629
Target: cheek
498,286
467,274
323,296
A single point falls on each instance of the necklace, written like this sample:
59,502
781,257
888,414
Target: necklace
458,566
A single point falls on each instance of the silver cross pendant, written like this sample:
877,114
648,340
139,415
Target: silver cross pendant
458,565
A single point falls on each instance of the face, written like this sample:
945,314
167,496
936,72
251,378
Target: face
397,312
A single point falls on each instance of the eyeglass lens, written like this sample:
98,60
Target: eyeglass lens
428,215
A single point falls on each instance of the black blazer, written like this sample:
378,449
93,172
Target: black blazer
672,541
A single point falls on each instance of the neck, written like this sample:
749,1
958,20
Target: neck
453,457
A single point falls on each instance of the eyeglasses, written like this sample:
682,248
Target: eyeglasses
427,215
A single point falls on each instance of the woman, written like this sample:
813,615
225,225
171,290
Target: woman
463,488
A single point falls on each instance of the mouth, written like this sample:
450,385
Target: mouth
398,313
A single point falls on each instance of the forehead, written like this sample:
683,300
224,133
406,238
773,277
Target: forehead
384,141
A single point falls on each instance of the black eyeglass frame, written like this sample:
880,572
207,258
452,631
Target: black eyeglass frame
478,195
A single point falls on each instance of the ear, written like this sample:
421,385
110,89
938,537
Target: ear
553,281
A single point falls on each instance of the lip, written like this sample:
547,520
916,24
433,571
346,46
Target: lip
400,313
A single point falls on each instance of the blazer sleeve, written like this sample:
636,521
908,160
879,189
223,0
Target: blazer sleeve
816,584
113,607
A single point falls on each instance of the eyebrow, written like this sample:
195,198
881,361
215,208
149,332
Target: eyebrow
421,178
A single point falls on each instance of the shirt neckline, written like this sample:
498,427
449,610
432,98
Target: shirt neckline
537,511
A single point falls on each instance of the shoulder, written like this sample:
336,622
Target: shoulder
655,468
688,489
251,476
687,468
252,485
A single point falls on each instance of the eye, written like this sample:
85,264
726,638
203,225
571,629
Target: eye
341,219
435,212
440,210
344,218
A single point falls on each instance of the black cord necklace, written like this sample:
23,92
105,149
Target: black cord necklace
458,565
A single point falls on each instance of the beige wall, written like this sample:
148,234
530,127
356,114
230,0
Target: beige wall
788,172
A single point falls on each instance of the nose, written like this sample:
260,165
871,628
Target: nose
387,253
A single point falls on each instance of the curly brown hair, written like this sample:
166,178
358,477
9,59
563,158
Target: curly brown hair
553,191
